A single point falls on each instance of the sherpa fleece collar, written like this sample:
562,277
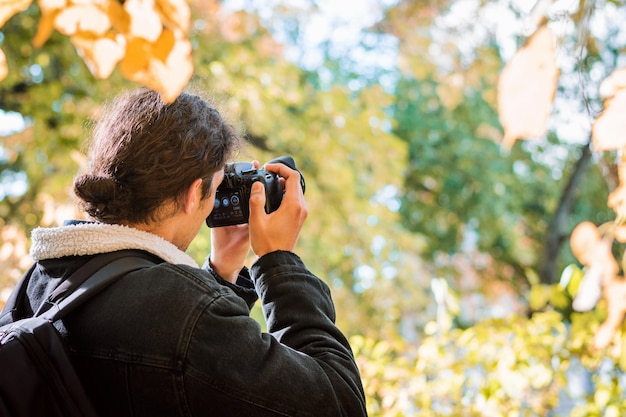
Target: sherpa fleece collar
93,238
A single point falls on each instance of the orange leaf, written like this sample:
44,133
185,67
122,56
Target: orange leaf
617,197
609,129
101,54
615,295
8,8
620,233
526,89
45,26
171,76
584,240
118,16
165,66
137,57
145,22
163,47
613,83
175,14
617,200
82,18
49,5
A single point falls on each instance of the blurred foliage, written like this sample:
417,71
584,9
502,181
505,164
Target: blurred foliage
428,234
537,365
465,195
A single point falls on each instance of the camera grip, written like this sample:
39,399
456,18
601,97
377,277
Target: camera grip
233,194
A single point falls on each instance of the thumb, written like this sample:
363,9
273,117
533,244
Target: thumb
257,199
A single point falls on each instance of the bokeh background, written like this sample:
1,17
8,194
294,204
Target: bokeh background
447,252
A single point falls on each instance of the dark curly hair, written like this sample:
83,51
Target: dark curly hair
145,152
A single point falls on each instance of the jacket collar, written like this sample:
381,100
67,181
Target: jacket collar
89,238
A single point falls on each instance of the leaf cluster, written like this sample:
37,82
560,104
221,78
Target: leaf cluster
532,366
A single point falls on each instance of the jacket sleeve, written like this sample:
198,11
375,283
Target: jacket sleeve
300,314
302,366
244,287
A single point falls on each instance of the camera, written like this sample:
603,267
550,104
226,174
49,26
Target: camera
232,197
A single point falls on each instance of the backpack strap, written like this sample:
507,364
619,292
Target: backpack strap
11,310
93,277
88,269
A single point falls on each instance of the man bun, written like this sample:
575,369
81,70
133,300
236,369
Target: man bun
98,195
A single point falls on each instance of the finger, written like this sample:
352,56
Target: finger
291,176
280,169
257,200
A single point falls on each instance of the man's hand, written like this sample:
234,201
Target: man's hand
280,229
230,246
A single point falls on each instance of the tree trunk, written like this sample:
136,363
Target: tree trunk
557,233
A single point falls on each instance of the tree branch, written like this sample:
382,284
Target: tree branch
556,234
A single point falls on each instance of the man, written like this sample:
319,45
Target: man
175,339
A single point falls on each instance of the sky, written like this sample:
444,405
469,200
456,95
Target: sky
10,122
339,22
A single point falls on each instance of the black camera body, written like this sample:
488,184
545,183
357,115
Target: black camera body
232,198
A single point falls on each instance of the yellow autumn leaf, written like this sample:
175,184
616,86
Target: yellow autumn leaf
164,65
609,129
165,45
139,53
49,11
175,14
617,197
45,26
136,58
101,54
120,20
8,8
145,22
4,68
526,89
570,280
172,75
539,296
82,18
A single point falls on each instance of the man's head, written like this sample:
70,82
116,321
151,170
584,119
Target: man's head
145,154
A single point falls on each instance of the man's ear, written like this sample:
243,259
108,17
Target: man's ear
194,194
